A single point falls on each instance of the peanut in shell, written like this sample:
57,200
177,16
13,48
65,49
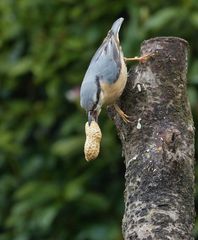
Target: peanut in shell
93,139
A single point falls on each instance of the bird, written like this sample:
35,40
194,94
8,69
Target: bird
106,76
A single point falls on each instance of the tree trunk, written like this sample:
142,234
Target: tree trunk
158,145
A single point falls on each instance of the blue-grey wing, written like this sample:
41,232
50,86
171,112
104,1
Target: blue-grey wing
104,66
106,63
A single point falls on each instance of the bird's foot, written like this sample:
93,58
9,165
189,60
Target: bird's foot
123,115
141,59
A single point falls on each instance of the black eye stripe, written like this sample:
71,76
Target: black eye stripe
98,88
98,92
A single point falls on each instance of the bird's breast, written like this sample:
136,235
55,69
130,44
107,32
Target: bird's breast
111,92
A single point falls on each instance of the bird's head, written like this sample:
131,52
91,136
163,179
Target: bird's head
93,115
91,98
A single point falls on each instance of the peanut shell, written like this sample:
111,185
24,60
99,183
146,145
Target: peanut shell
92,143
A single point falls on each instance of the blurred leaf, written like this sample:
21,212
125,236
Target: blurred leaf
161,18
74,189
192,93
100,231
46,217
96,201
68,147
23,66
194,19
193,73
38,191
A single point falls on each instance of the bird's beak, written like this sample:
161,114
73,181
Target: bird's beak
92,116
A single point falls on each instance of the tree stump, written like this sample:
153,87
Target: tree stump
158,145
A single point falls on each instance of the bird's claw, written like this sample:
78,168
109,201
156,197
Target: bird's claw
141,59
123,115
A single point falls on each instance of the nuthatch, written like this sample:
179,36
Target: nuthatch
106,76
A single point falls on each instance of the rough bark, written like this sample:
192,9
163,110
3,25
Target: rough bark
158,145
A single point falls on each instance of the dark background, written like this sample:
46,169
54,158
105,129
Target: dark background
47,189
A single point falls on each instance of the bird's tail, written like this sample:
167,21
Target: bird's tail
116,26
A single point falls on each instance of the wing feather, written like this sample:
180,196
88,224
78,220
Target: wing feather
106,62
104,66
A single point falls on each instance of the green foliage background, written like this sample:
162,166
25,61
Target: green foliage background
47,190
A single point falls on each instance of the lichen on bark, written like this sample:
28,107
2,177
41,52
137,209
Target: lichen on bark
158,145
